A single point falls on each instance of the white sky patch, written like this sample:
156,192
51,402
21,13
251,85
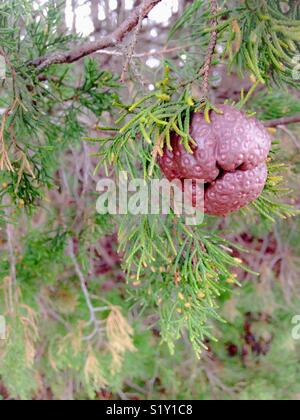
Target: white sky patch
38,4
84,24
153,62
101,14
220,49
154,33
69,14
161,14
217,78
163,11
151,87
113,4
129,4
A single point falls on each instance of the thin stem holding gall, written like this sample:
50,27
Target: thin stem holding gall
205,71
132,46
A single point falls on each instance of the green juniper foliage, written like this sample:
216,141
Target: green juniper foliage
175,284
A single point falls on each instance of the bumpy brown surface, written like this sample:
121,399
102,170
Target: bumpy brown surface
230,157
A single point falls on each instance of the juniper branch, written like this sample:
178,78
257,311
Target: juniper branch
106,42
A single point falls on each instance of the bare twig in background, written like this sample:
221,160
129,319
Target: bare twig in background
282,121
82,281
87,169
12,262
210,368
160,52
106,42
291,135
93,321
50,312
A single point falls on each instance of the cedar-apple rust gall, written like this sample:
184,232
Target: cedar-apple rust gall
222,171
229,155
